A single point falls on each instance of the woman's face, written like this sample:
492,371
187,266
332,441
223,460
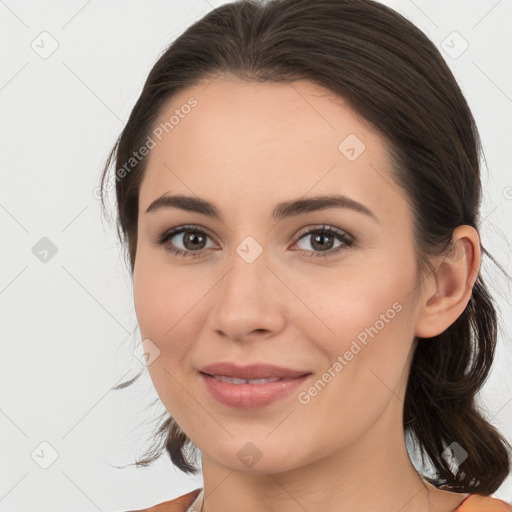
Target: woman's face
341,306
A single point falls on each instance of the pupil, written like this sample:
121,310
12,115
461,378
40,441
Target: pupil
192,237
317,239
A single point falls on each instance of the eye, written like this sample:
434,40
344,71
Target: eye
193,241
320,241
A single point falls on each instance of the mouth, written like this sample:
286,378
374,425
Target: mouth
249,394
235,380
259,373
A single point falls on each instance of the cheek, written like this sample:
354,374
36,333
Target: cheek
347,302
161,297
148,298
363,372
370,305
365,335
166,307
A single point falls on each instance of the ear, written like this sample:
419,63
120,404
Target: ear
449,288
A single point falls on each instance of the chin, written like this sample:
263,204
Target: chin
257,457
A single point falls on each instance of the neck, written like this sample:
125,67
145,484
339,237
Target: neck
373,473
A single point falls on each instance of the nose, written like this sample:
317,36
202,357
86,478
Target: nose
248,300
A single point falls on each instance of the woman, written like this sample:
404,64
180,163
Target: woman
298,188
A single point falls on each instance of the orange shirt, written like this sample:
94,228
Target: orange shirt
473,503
478,503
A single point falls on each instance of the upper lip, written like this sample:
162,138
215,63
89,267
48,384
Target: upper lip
254,371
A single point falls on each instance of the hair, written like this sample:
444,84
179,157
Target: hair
392,75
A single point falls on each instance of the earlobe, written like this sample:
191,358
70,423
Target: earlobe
453,280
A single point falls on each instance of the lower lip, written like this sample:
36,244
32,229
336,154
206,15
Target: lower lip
251,396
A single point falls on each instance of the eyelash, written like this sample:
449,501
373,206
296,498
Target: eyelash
347,241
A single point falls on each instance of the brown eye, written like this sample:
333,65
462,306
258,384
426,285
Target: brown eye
192,240
323,239
195,239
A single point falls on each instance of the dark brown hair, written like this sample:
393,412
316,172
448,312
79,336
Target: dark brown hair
396,79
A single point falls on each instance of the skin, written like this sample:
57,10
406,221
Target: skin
245,147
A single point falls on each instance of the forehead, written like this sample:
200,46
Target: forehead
245,140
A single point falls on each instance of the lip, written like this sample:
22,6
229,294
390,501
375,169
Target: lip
251,396
253,371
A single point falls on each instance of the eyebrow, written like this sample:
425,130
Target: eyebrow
281,210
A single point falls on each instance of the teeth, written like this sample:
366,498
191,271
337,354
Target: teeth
233,380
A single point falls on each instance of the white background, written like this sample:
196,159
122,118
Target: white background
67,325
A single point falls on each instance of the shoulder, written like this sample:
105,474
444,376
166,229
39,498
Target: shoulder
179,504
479,503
